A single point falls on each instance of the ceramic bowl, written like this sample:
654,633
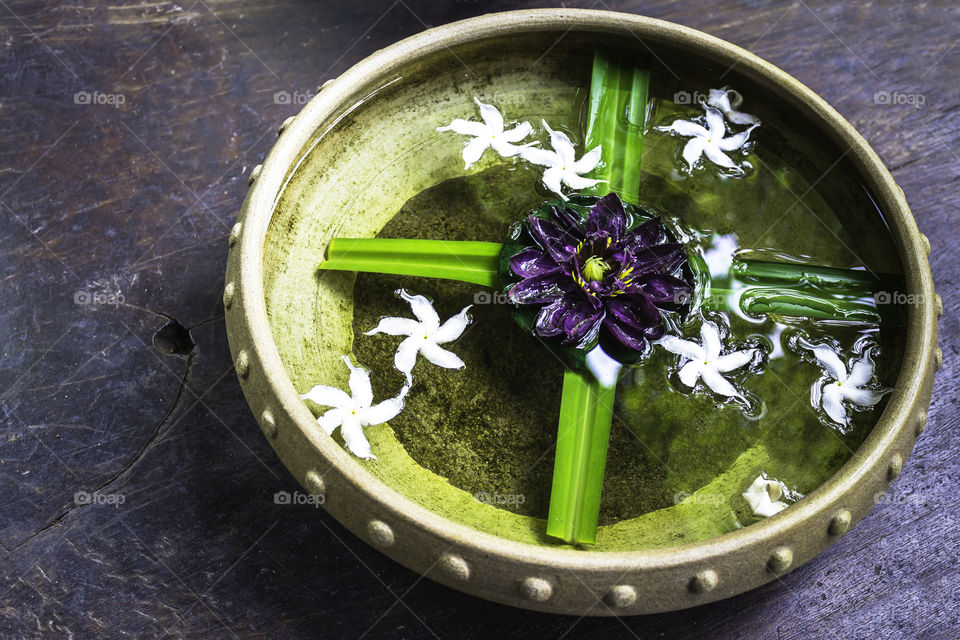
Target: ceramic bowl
347,144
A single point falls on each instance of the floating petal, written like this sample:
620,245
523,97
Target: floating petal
406,355
831,399
395,327
353,437
718,384
686,348
440,356
733,360
383,411
710,336
359,384
453,327
423,309
330,420
328,397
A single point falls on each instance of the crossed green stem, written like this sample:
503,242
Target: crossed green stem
776,289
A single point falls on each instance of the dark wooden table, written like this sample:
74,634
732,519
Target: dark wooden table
127,132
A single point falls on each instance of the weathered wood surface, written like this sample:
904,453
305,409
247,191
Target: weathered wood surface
136,199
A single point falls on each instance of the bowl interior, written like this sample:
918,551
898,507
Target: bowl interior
475,445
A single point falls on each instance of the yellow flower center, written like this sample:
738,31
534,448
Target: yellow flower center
595,268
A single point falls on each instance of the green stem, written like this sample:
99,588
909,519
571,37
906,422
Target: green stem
786,273
792,302
474,262
583,434
615,121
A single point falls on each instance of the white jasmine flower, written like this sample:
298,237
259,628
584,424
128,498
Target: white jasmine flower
763,496
705,362
728,101
711,140
489,133
351,414
836,387
426,334
562,164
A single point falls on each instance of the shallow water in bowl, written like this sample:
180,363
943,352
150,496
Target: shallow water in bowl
490,428
677,462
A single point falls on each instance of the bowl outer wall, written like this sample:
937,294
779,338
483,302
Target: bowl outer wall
565,580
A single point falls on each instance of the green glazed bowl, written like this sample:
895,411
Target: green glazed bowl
351,144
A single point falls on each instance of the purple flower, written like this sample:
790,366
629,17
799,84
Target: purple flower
599,276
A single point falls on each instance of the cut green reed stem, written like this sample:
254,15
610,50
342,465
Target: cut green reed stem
795,303
474,262
583,434
786,273
616,117
619,88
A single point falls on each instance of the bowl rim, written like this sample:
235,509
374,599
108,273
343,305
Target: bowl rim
701,565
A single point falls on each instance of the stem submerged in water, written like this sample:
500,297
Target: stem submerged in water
809,291
792,274
615,121
793,303
798,303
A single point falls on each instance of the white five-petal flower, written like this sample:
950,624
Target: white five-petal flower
351,414
763,496
711,140
562,164
837,386
426,334
489,133
705,362
728,101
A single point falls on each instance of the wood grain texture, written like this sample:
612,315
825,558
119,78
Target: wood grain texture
131,197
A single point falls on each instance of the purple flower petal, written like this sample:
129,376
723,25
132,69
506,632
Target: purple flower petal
575,316
597,288
539,289
581,322
633,310
663,258
661,289
558,242
646,234
547,323
532,262
568,218
607,217
618,255
655,333
631,338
